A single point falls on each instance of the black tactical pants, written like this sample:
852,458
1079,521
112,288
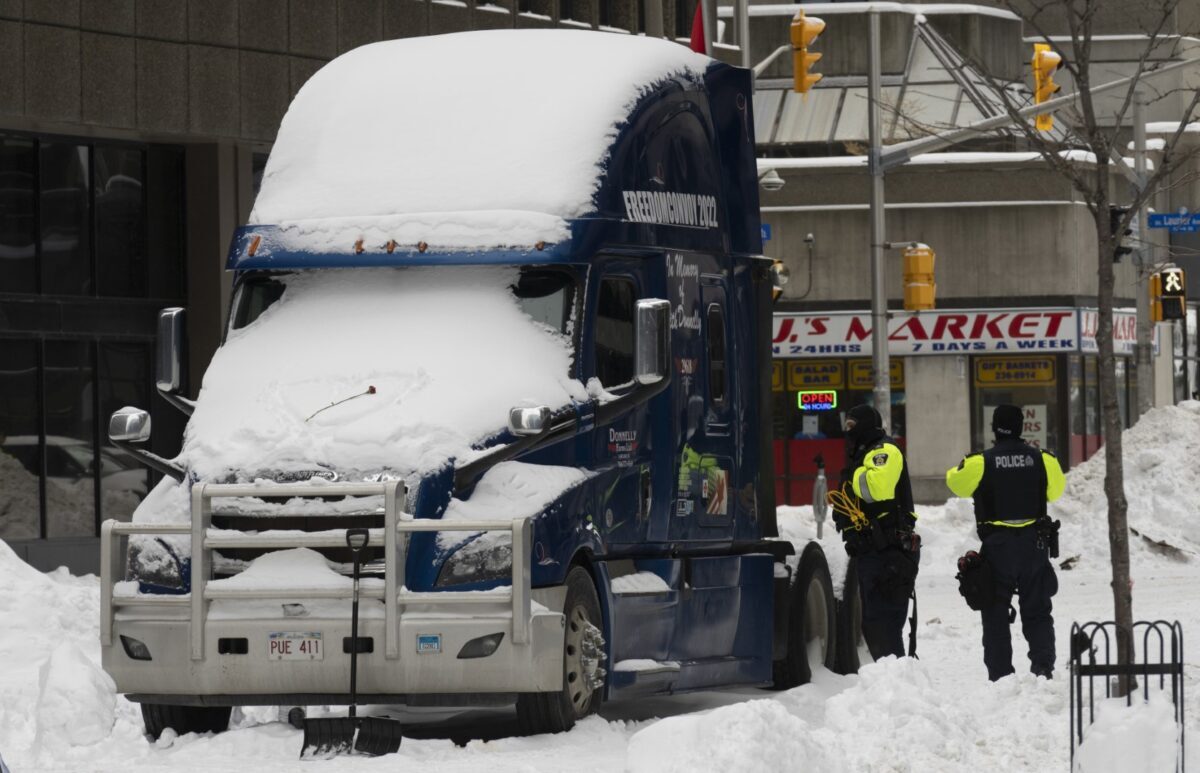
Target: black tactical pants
885,603
1019,566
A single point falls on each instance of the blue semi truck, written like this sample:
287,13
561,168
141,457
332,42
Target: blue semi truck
532,358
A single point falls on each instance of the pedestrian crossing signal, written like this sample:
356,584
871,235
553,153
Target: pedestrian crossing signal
1170,300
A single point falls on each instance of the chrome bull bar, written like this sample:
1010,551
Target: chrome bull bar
393,595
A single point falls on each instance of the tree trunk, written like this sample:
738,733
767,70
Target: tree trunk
1114,478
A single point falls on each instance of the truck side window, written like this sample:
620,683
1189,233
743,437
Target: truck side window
716,353
614,332
253,298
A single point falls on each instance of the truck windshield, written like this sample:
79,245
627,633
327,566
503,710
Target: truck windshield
368,369
546,295
253,297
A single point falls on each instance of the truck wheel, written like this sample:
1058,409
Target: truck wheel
157,717
812,622
853,652
583,672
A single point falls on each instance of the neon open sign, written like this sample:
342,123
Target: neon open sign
819,400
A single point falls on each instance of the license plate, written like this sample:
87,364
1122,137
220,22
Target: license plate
295,645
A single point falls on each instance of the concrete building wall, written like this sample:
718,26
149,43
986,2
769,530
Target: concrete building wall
986,247
939,423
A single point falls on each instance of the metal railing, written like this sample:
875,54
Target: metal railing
205,539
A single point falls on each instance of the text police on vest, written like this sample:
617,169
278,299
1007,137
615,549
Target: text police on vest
1014,460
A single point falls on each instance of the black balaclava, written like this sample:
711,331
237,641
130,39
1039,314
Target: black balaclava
868,426
1007,422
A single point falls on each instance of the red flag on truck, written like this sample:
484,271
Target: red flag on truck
698,42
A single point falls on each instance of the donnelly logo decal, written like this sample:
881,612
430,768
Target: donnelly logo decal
936,332
623,444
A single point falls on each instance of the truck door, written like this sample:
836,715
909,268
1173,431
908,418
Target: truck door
707,474
621,447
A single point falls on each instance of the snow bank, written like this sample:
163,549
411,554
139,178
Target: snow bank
747,737
1141,737
467,140
77,699
1161,486
51,687
449,352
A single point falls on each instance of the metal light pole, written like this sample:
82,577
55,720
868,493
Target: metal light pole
880,359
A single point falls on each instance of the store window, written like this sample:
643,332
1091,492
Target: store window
118,185
20,451
18,215
1028,382
810,401
1179,352
82,218
64,215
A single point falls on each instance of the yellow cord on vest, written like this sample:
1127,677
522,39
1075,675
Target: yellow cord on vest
845,502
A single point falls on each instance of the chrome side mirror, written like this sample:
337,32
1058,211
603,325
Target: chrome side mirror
169,371
652,331
524,422
129,425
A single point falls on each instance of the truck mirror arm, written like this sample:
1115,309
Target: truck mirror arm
153,461
182,403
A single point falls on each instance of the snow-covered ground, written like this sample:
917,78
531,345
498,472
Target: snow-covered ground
938,713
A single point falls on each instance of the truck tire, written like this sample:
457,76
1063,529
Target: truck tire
853,651
583,672
157,717
812,622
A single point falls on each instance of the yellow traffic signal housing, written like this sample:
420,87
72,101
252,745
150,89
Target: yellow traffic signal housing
919,287
1044,62
805,30
1156,310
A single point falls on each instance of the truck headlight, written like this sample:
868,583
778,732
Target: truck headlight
486,558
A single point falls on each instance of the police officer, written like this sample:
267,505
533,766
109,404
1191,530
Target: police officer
1011,483
877,526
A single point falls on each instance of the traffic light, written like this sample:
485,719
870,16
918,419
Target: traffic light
919,287
1121,237
1172,294
805,30
1045,62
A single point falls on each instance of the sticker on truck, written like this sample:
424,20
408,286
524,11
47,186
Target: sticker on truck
429,643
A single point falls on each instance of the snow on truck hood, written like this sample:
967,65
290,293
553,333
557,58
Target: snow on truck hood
448,351
469,140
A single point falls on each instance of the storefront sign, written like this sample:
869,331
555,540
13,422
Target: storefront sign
967,331
815,373
1034,432
1014,371
860,374
824,400
1124,331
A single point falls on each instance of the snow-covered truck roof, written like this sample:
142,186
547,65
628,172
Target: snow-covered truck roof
482,141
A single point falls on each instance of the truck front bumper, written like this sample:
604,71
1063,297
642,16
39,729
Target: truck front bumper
429,661
211,645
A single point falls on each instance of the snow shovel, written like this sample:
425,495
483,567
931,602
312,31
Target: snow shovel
329,736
